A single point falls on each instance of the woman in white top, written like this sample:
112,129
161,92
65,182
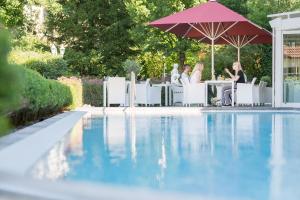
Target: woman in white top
197,73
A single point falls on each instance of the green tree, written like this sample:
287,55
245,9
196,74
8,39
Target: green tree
152,40
11,13
99,26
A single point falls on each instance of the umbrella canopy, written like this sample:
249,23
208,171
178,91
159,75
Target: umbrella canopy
214,23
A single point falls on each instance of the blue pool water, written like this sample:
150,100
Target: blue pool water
231,155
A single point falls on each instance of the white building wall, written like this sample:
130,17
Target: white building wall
281,24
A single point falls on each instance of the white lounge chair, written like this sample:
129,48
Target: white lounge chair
193,93
147,94
116,91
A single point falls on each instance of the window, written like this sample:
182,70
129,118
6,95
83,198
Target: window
291,68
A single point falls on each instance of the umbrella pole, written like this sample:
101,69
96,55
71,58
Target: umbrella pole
213,59
239,49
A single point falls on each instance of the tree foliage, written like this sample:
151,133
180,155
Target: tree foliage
11,13
101,34
94,25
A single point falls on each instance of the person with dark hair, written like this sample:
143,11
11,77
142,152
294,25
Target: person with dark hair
185,77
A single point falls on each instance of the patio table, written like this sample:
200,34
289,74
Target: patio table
219,82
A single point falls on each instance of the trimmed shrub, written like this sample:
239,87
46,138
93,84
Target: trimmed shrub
51,69
40,98
46,64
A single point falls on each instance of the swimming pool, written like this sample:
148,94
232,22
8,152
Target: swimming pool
253,155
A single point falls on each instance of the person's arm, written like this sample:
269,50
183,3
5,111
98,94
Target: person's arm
234,78
229,73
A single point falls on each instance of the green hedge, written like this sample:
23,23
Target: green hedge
45,63
40,98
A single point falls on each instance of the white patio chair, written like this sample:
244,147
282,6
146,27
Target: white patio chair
177,92
247,93
116,91
147,95
193,94
261,93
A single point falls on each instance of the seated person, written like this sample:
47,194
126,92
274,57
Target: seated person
197,73
185,78
238,77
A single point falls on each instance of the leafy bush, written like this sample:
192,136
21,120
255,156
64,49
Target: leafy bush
51,69
40,97
45,63
267,79
152,65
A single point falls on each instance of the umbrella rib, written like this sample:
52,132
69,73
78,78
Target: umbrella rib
250,40
205,29
231,38
243,40
187,32
218,28
200,31
169,29
202,39
229,42
227,29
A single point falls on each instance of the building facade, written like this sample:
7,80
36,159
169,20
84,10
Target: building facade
286,59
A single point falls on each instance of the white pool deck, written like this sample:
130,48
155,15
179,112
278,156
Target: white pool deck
21,149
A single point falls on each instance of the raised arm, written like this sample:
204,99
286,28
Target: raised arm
233,77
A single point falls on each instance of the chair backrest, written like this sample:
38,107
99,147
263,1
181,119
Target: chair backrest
253,81
116,90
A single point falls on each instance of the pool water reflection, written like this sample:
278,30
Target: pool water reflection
231,155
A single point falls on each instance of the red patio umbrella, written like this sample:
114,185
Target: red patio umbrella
214,23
